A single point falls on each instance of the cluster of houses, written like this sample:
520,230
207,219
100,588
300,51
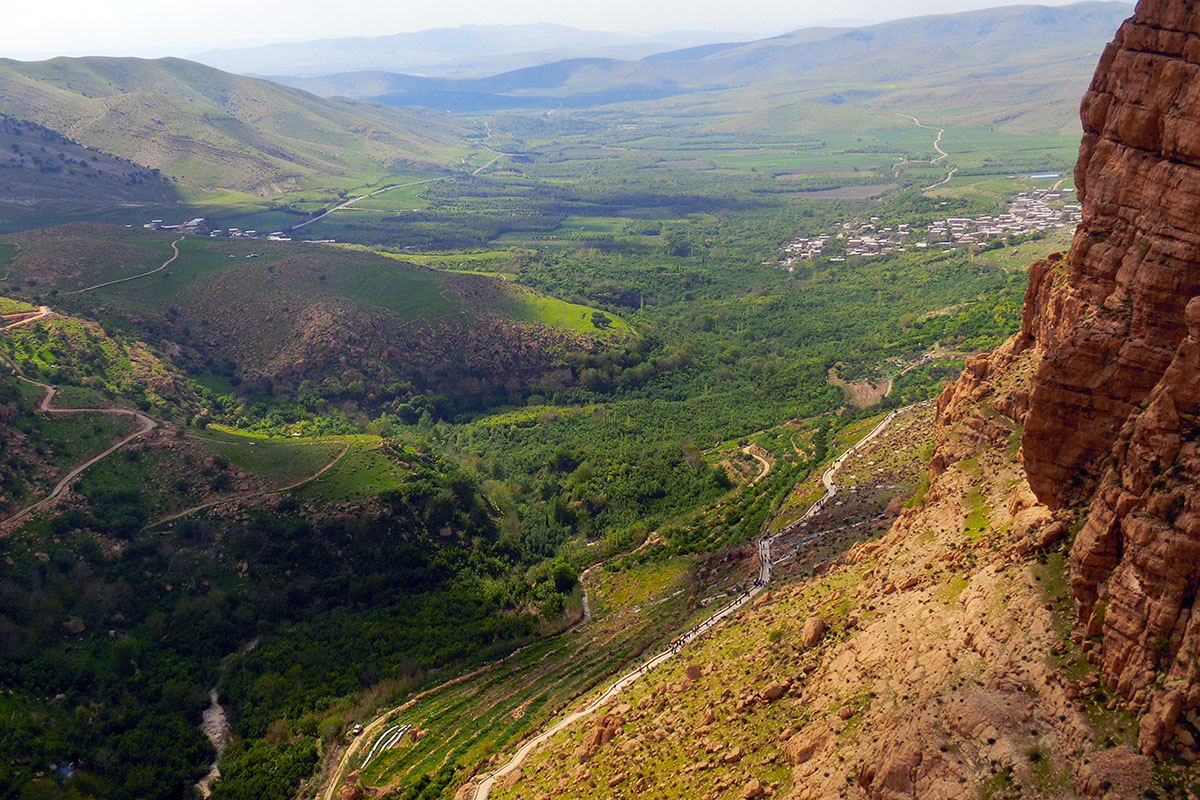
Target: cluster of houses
201,227
1027,214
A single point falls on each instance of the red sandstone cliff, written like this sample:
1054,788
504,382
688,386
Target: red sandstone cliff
1112,411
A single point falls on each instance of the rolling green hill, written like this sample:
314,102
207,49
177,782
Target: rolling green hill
205,128
1033,61
295,320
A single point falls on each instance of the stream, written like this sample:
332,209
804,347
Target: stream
215,726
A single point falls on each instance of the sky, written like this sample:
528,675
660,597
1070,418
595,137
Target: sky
162,27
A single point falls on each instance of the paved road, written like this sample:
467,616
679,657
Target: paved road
499,156
484,788
159,268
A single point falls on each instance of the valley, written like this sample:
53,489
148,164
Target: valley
677,426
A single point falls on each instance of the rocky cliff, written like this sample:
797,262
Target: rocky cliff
1110,429
1026,630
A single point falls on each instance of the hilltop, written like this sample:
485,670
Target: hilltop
465,50
204,128
1032,61
281,320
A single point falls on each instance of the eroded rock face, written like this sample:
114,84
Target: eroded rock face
1112,329
1114,406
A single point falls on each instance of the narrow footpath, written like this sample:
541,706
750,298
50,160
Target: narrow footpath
484,788
159,268
229,498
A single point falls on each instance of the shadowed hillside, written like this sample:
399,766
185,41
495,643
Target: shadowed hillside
43,172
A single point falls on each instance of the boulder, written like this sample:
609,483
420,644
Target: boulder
812,633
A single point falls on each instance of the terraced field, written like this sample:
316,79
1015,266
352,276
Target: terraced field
458,730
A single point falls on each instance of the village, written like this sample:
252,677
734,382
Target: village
1028,214
201,227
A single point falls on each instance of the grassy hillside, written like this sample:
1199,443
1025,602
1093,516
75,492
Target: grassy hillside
136,591
44,174
293,320
206,128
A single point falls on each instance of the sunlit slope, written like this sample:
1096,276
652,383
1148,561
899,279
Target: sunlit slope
203,127
295,318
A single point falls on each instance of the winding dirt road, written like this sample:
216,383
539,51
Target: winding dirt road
159,268
26,318
146,424
937,145
251,495
766,465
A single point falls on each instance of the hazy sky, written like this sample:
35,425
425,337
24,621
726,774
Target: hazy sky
170,27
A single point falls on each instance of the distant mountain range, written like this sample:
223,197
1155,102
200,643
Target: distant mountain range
1022,67
467,51
205,128
1008,54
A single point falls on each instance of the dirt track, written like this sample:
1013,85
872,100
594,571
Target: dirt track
146,424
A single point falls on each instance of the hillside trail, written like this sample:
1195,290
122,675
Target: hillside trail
159,268
251,495
145,425
484,787
751,451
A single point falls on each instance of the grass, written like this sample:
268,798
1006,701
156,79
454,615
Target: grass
81,397
635,586
529,306
208,465
742,655
853,434
277,461
9,305
463,725
490,262
976,523
1112,727
72,258
73,438
365,471
1024,254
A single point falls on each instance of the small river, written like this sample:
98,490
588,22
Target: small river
215,726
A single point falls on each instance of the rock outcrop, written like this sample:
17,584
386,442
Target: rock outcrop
1112,413
1112,327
